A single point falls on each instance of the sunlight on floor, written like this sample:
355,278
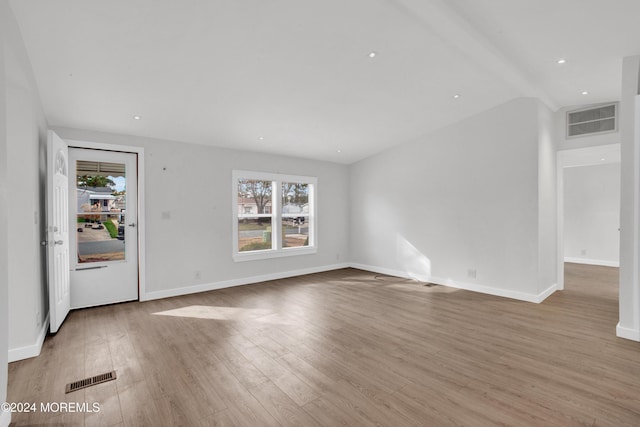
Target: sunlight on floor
218,313
415,286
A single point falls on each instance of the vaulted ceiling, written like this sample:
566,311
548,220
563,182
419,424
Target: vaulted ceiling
331,80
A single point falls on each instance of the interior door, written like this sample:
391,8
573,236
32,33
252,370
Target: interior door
104,241
57,230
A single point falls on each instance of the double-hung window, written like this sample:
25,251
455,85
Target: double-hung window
274,215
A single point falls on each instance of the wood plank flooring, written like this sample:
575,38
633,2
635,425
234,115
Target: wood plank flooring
344,348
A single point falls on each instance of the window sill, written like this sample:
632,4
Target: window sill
266,254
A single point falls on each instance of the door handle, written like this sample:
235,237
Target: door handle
133,224
58,242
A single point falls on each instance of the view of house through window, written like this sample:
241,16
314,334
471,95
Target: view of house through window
274,213
101,210
295,214
254,215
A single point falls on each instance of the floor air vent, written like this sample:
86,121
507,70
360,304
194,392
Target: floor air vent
88,382
592,120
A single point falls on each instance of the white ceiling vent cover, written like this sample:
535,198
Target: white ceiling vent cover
592,120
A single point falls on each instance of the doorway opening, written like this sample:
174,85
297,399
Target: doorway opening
588,214
103,202
95,241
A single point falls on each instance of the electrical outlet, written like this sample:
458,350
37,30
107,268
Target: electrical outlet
197,275
471,272
337,256
38,321
583,252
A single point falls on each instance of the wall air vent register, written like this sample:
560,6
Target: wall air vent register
592,120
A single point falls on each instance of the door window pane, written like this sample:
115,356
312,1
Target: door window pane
101,210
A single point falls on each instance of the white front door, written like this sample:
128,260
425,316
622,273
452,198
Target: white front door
57,230
104,241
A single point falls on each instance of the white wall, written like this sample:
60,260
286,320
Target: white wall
5,417
592,214
192,183
464,197
26,137
629,325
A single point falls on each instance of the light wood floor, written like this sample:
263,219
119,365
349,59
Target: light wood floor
345,348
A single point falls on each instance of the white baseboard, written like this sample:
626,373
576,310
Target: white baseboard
32,350
592,261
630,334
522,296
238,282
546,293
388,272
5,418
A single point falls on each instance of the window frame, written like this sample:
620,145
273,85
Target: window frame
277,250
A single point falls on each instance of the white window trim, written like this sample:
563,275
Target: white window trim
276,215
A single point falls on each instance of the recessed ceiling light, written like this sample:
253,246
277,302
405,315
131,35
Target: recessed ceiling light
372,54
584,92
456,96
562,61
338,151
261,138
136,117
602,159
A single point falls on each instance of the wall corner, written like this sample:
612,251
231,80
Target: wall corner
5,417
629,296
547,201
